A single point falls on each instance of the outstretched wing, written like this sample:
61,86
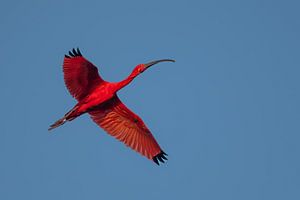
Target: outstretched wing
80,75
117,120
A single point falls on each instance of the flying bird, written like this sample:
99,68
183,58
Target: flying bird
99,99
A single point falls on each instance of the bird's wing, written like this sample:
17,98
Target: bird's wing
120,122
80,75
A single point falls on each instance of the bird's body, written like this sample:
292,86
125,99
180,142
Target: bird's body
99,98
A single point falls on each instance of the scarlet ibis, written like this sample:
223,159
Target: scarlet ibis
99,98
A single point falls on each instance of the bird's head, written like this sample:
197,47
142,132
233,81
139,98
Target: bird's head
142,67
138,70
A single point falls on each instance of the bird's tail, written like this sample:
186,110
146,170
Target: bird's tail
69,116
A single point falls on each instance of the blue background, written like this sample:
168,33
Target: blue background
227,112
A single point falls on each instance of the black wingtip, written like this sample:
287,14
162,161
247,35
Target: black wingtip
155,160
78,52
161,157
71,54
74,53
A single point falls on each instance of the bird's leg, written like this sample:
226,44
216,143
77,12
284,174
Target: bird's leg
57,123
69,116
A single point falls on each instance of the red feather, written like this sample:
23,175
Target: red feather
81,76
99,99
120,122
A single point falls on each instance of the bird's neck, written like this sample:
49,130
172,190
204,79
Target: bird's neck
126,81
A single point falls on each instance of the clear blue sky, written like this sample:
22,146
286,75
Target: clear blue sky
227,112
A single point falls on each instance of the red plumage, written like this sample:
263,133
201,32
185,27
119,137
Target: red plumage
81,76
98,98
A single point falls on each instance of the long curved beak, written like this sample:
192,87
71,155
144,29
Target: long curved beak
157,61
